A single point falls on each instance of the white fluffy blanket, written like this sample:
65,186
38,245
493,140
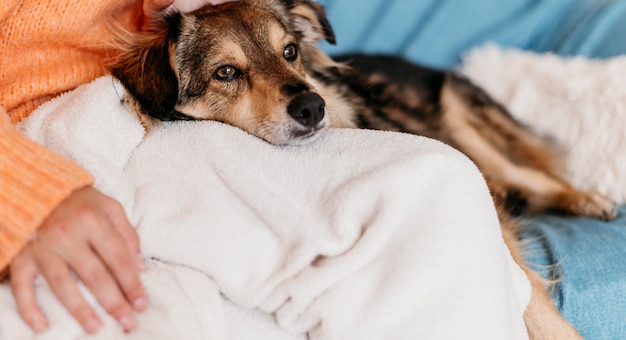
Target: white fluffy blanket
579,103
361,235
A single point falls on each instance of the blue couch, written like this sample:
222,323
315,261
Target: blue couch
591,254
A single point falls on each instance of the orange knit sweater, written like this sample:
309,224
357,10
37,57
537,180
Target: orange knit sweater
46,47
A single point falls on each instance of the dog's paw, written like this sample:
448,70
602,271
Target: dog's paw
594,205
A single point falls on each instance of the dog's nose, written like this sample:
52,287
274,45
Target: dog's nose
307,109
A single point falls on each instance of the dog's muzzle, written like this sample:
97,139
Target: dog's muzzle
307,109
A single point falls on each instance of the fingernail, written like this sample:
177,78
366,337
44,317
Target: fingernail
39,325
92,325
139,304
128,323
141,263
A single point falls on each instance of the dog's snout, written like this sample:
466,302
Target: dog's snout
307,109
294,88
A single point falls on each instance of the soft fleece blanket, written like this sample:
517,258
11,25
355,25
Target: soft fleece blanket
245,240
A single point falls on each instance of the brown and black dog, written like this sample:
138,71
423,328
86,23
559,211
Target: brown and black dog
255,64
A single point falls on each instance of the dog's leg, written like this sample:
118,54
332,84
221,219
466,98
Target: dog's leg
542,319
515,162
537,190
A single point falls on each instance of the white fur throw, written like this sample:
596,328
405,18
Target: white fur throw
580,103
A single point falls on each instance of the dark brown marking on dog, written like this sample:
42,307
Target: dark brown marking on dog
390,96
147,73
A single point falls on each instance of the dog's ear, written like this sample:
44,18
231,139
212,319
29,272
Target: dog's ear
147,67
309,18
306,17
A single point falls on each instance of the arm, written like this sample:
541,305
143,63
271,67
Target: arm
34,181
50,216
51,221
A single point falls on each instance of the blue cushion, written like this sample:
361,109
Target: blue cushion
437,32
591,254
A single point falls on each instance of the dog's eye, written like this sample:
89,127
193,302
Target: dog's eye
291,52
227,73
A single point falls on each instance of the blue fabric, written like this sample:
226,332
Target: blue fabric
590,254
437,32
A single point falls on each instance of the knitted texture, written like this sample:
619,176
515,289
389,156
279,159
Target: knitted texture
47,47
33,180
51,46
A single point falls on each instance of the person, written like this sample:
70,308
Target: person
52,220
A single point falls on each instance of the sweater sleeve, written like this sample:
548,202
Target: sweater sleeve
33,181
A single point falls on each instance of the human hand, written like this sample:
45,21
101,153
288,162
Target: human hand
155,8
88,234
186,6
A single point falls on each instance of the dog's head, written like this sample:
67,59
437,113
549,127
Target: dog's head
244,63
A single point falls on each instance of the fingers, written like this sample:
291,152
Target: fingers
117,217
108,264
156,6
116,243
89,234
122,263
187,6
65,288
113,278
23,273
153,9
104,287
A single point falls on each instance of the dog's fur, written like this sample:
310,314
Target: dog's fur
255,64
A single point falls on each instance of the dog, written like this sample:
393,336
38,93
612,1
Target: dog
256,65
